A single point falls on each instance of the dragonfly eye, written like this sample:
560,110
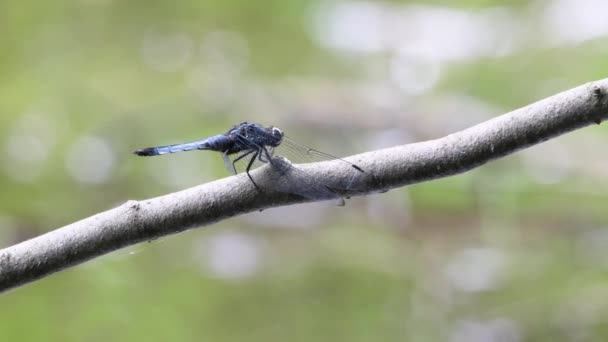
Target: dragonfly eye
277,132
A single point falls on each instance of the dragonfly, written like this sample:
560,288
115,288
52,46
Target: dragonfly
253,145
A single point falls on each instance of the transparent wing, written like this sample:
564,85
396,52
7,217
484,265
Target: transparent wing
300,154
293,178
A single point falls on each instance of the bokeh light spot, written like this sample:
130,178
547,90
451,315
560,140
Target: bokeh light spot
90,160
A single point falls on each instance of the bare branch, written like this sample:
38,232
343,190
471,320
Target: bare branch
137,221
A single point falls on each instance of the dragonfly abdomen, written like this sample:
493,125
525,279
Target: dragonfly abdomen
215,143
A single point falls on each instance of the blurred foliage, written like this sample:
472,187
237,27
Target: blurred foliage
512,251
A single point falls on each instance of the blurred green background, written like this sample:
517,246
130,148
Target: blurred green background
513,251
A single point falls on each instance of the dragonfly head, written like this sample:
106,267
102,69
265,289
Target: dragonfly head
277,135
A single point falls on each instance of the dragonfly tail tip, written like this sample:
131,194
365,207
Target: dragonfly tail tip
150,151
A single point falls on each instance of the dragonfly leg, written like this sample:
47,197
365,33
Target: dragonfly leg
241,157
255,155
266,157
266,154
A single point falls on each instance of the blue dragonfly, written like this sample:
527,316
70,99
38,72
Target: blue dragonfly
252,145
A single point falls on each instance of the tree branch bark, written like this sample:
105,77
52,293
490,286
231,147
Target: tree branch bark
137,221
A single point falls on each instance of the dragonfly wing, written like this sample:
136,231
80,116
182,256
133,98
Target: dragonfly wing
294,179
228,163
300,154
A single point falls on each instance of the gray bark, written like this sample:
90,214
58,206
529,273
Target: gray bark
137,221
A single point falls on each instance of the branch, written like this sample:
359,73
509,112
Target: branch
137,221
